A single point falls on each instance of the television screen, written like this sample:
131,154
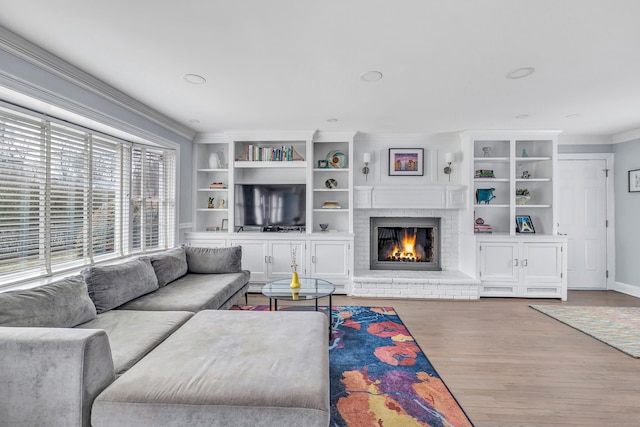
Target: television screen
266,205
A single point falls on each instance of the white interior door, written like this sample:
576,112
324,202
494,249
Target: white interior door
582,186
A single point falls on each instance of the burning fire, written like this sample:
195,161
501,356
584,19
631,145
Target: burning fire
407,250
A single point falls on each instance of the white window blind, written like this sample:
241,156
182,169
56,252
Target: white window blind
152,197
105,200
69,198
22,184
67,201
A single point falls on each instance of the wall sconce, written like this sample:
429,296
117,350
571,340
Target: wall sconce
366,159
448,158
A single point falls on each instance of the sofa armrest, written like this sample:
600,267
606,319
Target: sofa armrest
50,376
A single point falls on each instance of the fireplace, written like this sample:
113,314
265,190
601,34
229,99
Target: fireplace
399,243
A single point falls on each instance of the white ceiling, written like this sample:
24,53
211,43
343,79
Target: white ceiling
293,64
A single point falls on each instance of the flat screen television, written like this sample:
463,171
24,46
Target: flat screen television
270,205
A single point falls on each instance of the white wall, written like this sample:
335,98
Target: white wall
435,147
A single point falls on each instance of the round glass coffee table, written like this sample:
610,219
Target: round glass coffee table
310,289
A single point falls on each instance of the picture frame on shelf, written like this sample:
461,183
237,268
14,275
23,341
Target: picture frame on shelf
524,224
406,161
323,164
634,181
224,226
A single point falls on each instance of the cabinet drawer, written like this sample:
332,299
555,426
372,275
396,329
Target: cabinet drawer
498,290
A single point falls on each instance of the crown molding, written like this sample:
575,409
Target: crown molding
42,59
626,136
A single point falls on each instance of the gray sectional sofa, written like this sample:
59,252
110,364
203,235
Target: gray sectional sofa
148,342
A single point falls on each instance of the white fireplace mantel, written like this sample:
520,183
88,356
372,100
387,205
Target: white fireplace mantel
410,197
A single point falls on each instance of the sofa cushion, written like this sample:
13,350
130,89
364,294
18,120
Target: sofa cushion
214,260
169,265
61,304
113,285
194,292
133,334
227,368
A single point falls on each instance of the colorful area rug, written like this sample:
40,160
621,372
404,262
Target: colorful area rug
380,376
618,327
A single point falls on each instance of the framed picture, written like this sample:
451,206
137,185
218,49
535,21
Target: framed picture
322,164
225,225
524,224
406,161
634,181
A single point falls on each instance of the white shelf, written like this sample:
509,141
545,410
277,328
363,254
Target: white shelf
491,179
212,210
332,190
331,169
491,159
532,206
533,180
331,210
270,164
212,189
491,206
531,159
213,170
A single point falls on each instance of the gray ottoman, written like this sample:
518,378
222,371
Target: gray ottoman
227,368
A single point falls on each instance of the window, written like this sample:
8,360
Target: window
69,197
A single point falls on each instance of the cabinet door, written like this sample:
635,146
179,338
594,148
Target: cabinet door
280,259
498,261
542,262
330,259
255,258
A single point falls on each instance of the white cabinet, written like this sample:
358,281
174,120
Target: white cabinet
271,260
330,260
535,268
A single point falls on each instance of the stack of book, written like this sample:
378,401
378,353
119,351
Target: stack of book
217,185
484,173
482,228
331,205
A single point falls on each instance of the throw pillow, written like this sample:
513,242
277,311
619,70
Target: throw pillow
214,260
169,265
112,285
61,304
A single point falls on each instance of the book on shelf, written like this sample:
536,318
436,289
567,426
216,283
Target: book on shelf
331,205
217,185
255,153
482,228
484,173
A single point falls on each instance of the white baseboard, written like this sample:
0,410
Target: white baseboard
625,288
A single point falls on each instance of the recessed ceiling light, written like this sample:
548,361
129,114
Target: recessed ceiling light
332,120
520,73
572,116
371,76
194,79
522,116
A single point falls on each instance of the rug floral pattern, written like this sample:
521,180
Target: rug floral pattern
380,377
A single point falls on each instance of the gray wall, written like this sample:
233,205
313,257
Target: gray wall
627,210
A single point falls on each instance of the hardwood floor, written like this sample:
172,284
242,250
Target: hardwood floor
509,365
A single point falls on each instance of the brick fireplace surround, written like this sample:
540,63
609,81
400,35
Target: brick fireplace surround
446,284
